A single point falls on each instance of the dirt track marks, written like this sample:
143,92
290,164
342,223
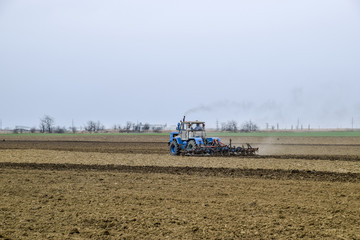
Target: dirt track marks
89,146
142,147
220,172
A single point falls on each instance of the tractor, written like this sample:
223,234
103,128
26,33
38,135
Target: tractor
190,139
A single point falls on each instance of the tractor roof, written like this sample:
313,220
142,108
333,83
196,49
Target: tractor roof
192,122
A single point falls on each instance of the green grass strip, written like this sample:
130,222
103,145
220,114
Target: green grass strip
288,134
210,134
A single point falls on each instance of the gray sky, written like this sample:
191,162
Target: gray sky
153,61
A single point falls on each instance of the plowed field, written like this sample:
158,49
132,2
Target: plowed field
129,187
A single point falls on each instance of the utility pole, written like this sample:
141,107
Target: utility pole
352,123
297,125
72,126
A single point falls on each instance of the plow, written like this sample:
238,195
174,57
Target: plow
217,148
190,140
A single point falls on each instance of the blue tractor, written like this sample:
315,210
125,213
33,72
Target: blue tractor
189,136
190,139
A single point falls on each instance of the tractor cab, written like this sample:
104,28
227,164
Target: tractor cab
191,129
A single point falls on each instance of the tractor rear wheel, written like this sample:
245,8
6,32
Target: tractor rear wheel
191,145
174,148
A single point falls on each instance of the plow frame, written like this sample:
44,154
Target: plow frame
217,148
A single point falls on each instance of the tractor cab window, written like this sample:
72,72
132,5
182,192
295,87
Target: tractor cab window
194,126
198,127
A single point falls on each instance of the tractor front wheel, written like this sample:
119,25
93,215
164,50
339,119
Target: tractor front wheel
174,148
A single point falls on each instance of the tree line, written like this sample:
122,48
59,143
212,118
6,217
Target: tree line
233,126
47,125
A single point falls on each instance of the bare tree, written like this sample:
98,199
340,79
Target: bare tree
59,129
117,127
137,127
93,126
47,124
42,126
230,126
146,127
250,127
128,126
99,126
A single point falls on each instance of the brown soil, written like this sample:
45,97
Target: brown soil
318,147
128,187
220,172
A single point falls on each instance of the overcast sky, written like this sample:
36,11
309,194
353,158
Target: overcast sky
152,61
